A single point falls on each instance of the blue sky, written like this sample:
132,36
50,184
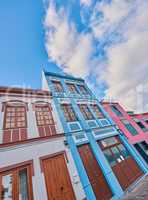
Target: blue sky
103,41
22,50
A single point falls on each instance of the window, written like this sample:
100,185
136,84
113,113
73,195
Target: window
69,112
86,112
16,184
97,111
15,117
83,89
72,88
43,115
129,127
109,142
139,123
109,157
144,145
116,111
146,120
123,150
58,86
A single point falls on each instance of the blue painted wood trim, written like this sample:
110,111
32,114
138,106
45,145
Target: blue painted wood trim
142,164
63,76
78,162
81,170
105,167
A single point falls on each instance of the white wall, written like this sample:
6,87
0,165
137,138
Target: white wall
31,118
44,82
21,153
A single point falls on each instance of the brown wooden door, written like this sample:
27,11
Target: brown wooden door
57,179
16,183
95,175
122,163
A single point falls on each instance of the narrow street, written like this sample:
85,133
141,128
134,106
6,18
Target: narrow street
140,192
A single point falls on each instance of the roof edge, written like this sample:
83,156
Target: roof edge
67,76
15,90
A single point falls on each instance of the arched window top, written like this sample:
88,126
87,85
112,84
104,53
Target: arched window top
14,103
15,115
43,113
41,104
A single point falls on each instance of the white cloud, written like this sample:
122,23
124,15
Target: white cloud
107,15
128,64
69,49
125,68
85,2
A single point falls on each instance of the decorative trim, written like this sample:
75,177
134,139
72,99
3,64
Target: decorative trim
18,165
12,102
31,140
26,91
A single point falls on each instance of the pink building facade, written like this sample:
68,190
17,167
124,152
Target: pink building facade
134,126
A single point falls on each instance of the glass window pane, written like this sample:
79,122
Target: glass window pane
116,111
117,154
23,185
44,115
129,127
69,112
109,157
109,141
123,150
86,112
7,187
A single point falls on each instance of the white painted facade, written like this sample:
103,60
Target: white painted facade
31,118
33,150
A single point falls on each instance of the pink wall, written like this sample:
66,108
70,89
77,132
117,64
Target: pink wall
142,136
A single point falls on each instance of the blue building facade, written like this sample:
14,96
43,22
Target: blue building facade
101,152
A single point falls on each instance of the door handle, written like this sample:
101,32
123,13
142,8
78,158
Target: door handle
62,188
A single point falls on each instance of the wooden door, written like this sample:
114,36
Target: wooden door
16,183
57,179
122,163
95,175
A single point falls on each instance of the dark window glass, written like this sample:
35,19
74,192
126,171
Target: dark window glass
86,112
144,145
43,115
23,185
109,157
15,117
116,111
16,184
109,141
146,120
117,154
123,150
69,112
83,89
7,187
72,88
58,86
140,125
129,127
97,111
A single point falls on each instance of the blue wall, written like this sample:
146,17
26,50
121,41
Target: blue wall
85,127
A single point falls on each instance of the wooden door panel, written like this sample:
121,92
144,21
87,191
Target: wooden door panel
129,175
95,175
57,179
122,178
134,167
125,168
